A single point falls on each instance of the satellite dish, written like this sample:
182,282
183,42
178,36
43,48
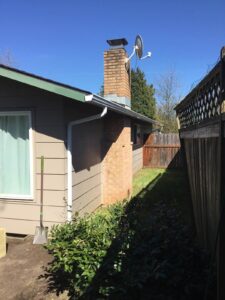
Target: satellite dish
138,49
139,46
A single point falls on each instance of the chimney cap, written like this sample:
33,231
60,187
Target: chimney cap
117,42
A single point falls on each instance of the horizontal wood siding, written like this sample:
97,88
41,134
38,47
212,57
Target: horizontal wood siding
21,216
50,150
87,183
83,187
24,226
137,155
52,182
31,212
55,166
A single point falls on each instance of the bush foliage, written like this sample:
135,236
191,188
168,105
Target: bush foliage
140,249
79,247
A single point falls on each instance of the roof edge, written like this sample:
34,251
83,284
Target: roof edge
100,101
43,83
69,92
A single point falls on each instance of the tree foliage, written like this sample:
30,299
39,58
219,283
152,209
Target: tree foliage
167,97
142,94
101,92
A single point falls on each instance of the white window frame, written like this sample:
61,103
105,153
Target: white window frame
15,196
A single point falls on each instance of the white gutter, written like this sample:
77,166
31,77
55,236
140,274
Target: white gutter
100,101
69,153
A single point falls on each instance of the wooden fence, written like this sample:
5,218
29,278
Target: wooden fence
162,150
202,132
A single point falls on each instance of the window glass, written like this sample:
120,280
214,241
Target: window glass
136,134
15,173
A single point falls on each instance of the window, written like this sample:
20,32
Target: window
16,155
136,134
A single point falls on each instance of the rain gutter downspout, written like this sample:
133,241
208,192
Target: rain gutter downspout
88,98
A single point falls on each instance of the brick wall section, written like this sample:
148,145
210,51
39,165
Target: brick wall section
116,77
117,159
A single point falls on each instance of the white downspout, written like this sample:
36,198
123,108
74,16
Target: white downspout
69,154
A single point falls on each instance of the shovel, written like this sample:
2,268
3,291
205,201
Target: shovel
41,232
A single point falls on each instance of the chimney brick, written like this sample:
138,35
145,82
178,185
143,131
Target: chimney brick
116,76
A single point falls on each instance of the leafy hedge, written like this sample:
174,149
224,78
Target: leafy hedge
140,249
79,247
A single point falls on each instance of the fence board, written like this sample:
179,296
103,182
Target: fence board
201,116
162,151
202,156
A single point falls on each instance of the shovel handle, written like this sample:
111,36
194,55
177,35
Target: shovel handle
42,182
42,164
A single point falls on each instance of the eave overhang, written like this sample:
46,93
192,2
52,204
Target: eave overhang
69,92
43,83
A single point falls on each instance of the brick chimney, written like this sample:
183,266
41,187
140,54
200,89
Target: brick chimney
116,73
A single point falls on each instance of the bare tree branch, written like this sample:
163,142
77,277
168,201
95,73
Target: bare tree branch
167,92
6,58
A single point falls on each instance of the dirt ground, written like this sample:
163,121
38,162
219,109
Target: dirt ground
20,272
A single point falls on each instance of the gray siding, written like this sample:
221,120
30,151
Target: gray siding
22,216
137,158
86,157
87,185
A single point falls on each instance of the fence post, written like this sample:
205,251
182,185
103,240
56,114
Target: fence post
146,149
221,229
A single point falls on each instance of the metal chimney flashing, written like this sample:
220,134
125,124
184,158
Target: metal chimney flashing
117,42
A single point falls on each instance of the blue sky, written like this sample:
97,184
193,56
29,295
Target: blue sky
65,40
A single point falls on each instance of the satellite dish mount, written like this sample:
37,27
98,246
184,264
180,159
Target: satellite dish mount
138,49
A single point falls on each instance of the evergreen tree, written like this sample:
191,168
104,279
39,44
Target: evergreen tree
142,94
101,92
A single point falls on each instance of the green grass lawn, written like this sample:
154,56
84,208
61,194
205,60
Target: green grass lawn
169,185
143,178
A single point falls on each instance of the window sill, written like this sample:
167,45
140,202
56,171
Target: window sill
16,197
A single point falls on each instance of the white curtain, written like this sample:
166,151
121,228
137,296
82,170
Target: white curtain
14,155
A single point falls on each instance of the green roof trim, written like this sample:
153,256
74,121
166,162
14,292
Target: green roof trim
42,83
69,92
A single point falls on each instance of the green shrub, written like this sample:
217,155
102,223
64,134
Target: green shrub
79,247
132,250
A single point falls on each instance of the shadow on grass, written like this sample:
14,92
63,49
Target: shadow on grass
154,255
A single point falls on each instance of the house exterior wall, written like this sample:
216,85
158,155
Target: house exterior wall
138,144
117,159
86,158
137,158
87,175
103,160
22,216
